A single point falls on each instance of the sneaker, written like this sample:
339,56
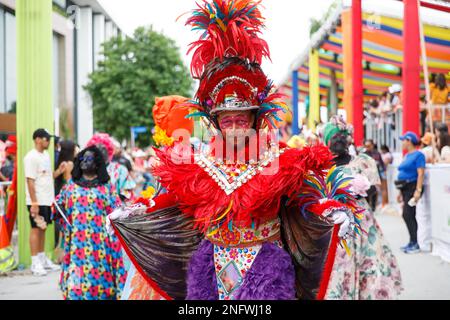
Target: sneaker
47,263
37,269
405,246
413,248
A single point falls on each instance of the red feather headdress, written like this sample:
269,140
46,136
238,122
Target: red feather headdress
230,28
227,60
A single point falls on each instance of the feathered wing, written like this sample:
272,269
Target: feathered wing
160,245
317,190
310,242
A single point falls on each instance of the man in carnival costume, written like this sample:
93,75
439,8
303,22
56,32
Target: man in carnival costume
251,219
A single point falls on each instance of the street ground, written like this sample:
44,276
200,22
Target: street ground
425,277
21,285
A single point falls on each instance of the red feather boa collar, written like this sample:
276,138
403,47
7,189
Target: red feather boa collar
255,202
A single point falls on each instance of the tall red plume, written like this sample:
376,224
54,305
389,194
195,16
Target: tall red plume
230,28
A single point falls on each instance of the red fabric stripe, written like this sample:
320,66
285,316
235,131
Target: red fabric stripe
152,283
411,67
434,6
357,73
328,265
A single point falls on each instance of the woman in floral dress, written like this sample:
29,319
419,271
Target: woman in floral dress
369,271
92,267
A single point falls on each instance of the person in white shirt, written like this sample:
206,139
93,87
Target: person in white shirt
430,152
444,147
39,198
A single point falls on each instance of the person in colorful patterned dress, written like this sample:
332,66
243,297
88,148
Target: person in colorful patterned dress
249,218
370,270
120,176
92,267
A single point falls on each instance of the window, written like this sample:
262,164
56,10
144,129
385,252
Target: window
2,62
60,3
58,82
10,61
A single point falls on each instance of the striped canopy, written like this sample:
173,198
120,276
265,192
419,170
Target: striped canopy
382,55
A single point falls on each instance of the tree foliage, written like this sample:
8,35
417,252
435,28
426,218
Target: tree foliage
134,71
316,24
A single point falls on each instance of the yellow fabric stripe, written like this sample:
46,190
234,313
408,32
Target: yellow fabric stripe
314,86
430,31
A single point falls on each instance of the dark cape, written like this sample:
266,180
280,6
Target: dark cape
161,243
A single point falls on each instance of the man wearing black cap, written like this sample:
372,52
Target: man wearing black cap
39,198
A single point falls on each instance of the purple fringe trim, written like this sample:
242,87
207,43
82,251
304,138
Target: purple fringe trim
201,277
271,277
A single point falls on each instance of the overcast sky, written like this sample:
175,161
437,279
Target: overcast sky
287,23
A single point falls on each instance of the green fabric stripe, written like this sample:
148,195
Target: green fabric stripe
34,98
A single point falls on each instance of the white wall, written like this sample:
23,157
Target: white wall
11,60
99,37
85,126
56,82
115,31
93,31
2,64
108,30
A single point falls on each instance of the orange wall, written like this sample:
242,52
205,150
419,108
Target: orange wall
347,62
7,123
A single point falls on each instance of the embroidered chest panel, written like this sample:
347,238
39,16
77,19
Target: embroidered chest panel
230,177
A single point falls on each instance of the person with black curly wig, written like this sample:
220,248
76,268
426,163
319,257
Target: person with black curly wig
92,266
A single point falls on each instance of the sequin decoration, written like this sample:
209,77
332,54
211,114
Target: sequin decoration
244,237
230,177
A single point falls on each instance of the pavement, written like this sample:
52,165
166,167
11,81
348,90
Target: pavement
425,277
22,285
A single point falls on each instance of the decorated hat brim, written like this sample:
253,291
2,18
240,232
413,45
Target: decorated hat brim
223,109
